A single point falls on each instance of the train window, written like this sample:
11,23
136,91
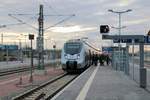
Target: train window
72,48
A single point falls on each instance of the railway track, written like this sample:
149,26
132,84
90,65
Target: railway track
47,90
17,70
14,70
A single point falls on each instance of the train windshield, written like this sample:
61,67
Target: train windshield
73,48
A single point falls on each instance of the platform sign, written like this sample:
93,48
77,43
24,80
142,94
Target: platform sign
129,41
122,41
146,40
128,38
116,41
107,49
137,40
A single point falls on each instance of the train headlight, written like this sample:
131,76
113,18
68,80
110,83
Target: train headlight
78,56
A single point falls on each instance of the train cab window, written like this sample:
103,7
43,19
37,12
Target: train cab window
73,48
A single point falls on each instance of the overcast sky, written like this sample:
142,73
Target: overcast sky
89,15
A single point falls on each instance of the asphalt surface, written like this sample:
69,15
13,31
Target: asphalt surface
103,83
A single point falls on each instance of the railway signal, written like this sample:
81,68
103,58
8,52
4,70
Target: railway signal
54,46
31,37
104,29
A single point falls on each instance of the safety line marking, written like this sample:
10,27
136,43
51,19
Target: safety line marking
59,93
85,89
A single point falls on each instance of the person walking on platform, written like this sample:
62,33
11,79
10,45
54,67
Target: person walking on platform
107,60
93,59
96,59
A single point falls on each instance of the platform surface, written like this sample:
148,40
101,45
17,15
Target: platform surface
103,83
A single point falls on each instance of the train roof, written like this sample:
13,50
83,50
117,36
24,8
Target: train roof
75,40
85,43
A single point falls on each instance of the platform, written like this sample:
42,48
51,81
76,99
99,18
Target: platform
102,83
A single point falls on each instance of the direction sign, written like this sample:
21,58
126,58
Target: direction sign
128,38
107,49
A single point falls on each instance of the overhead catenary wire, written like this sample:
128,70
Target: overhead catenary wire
56,14
21,21
50,6
14,16
11,24
60,22
23,14
48,3
7,25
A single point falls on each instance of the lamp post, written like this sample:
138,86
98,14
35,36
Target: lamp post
119,26
21,53
119,13
2,38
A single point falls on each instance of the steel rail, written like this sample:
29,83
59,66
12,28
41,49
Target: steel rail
39,92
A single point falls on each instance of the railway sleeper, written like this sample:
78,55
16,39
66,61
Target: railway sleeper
38,96
29,99
34,95
41,96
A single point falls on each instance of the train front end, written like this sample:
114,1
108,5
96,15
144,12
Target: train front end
72,57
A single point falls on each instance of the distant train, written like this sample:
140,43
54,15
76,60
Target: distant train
76,55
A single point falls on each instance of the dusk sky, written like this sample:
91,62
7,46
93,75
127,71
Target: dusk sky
89,15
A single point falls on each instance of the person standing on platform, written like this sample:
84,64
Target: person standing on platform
101,60
95,59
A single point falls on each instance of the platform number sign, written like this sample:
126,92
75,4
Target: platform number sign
104,29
